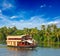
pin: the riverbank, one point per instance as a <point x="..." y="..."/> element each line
<point x="50" y="44"/>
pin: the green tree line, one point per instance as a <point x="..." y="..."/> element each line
<point x="49" y="33"/>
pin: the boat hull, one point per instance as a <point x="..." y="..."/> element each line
<point x="24" y="46"/>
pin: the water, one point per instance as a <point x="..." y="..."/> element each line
<point x="39" y="51"/>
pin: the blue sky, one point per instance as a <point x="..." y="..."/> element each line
<point x="29" y="13"/>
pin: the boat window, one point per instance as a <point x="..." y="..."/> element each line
<point x="25" y="43"/>
<point x="28" y="43"/>
<point x="22" y="42"/>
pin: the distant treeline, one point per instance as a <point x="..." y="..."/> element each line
<point x="49" y="33"/>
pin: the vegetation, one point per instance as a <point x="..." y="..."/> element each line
<point x="47" y="34"/>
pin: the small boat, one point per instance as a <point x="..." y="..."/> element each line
<point x="23" y="41"/>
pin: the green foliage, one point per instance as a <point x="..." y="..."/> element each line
<point x="49" y="33"/>
<point x="1" y="36"/>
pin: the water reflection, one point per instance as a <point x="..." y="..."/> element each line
<point x="39" y="51"/>
<point x="21" y="51"/>
<point x="47" y="50"/>
<point x="49" y="45"/>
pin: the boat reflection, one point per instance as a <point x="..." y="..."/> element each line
<point x="20" y="49"/>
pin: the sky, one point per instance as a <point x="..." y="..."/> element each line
<point x="29" y="13"/>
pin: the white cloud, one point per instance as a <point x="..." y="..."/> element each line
<point x="6" y="5"/>
<point x="12" y="17"/>
<point x="54" y="22"/>
<point x="0" y="11"/>
<point x="35" y="21"/>
<point x="57" y="18"/>
<point x="51" y="22"/>
<point x="57" y="22"/>
<point x="21" y="20"/>
<point x="42" y="6"/>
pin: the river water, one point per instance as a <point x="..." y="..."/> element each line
<point x="39" y="51"/>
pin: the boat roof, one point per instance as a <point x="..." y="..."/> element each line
<point x="17" y="36"/>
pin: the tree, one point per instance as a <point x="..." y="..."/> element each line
<point x="43" y="27"/>
<point x="26" y="31"/>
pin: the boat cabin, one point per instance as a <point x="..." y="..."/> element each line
<point x="21" y="41"/>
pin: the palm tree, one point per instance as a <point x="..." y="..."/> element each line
<point x="43" y="30"/>
<point x="57" y="33"/>
<point x="48" y="33"/>
<point x="34" y="31"/>
<point x="43" y="27"/>
<point x="54" y="27"/>
<point x="25" y="30"/>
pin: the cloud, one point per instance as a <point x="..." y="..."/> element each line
<point x="0" y="11"/>
<point x="57" y="22"/>
<point x="5" y="4"/>
<point x="54" y="22"/>
<point x="42" y="6"/>
<point x="33" y="21"/>
<point x="12" y="17"/>
<point x="57" y="18"/>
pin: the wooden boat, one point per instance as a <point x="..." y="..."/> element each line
<point x="23" y="41"/>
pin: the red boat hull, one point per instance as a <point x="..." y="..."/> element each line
<point x="24" y="46"/>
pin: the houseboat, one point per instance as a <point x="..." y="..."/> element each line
<point x="25" y="41"/>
